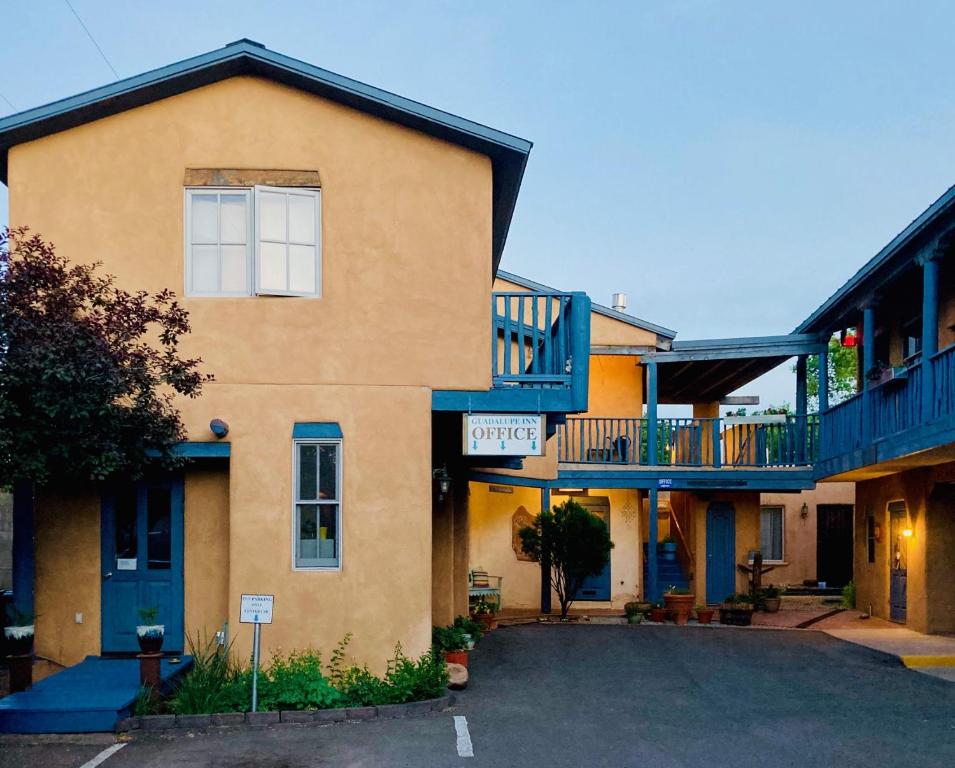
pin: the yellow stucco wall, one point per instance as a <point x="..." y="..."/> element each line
<point x="931" y="567"/>
<point x="406" y="231"/>
<point x="490" y="544"/>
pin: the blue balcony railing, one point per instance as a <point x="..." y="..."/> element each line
<point x="892" y="408"/>
<point x="690" y="442"/>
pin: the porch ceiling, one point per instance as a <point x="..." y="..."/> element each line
<point x="708" y="370"/>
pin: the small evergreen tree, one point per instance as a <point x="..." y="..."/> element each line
<point x="576" y="543"/>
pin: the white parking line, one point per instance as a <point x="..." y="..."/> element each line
<point x="465" y="748"/>
<point x="103" y="756"/>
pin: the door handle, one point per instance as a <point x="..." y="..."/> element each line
<point x="107" y="575"/>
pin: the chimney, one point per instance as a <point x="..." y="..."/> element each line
<point x="619" y="302"/>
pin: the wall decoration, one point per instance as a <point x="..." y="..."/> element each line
<point x="520" y="519"/>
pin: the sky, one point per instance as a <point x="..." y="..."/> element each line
<point x="728" y="165"/>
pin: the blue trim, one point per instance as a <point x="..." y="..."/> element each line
<point x="317" y="430"/>
<point x="197" y="450"/>
<point x="636" y="322"/>
<point x="504" y="400"/>
<point x="650" y="587"/>
<point x="508" y="153"/>
<point x="645" y="479"/>
<point x="880" y="265"/>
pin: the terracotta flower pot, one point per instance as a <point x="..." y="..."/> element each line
<point x="771" y="604"/>
<point x="657" y="614"/>
<point x="456" y="657"/>
<point x="680" y="606"/>
<point x="488" y="621"/>
<point x="705" y="615"/>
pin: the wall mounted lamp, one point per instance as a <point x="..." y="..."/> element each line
<point x="443" y="479"/>
<point x="804" y="511"/>
<point x="219" y="428"/>
<point x="907" y="532"/>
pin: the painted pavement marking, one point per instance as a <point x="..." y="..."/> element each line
<point x="465" y="748"/>
<point x="103" y="756"/>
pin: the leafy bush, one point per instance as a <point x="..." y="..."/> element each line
<point x="296" y="682"/>
<point x="469" y="626"/>
<point x="450" y="638"/>
<point x="849" y="595"/>
<point x="410" y="680"/>
<point x="213" y="684"/>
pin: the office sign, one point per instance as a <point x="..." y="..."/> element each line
<point x="256" y="609"/>
<point x="664" y="482"/>
<point x="504" y="434"/>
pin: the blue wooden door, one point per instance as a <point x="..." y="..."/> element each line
<point x="141" y="561"/>
<point x="720" y="551"/>
<point x="596" y="587"/>
<point x="898" y="566"/>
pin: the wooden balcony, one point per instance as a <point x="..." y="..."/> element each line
<point x="903" y="415"/>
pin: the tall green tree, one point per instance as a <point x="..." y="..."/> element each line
<point x="88" y="371"/>
<point x="842" y="374"/>
<point x="576" y="543"/>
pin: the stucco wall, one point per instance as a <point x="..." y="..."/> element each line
<point x="931" y="563"/>
<point x="406" y="232"/>
<point x="799" y="533"/>
<point x="491" y="550"/>
<point x="746" y="505"/>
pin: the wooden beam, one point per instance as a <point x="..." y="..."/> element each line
<point x="740" y="400"/>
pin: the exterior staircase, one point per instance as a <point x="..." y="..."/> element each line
<point x="669" y="573"/>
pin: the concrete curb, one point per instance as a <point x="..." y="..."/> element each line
<point x="249" y="720"/>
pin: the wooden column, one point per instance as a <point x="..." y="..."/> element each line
<point x="651" y="413"/>
<point x="650" y="588"/>
<point x="930" y="268"/>
<point x="823" y="387"/>
<point x="868" y="363"/>
<point x="24" y="557"/>
<point x="545" y="560"/>
<point x="801" y="409"/>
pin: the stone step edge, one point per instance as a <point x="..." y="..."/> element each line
<point x="913" y="661"/>
<point x="152" y="723"/>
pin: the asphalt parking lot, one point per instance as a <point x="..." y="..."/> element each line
<point x="611" y="696"/>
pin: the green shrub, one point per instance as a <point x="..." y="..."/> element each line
<point x="210" y="685"/>
<point x="410" y="680"/>
<point x="450" y="638"/>
<point x="469" y="626"/>
<point x="849" y="595"/>
<point x="296" y="682"/>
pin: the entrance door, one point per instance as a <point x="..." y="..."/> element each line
<point x="141" y="543"/>
<point x="898" y="568"/>
<point x="720" y="551"/>
<point x="834" y="544"/>
<point x="596" y="587"/>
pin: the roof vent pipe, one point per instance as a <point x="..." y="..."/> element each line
<point x="619" y="302"/>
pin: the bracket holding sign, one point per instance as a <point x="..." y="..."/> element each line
<point x="504" y="434"/>
<point x="256" y="610"/>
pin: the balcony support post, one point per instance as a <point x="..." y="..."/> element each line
<point x="823" y="388"/>
<point x="650" y="588"/>
<point x="930" y="269"/>
<point x="545" y="560"/>
<point x="652" y="447"/>
<point x="868" y="363"/>
<point x="801" y="409"/>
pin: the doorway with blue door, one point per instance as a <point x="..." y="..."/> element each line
<point x="720" y="551"/>
<point x="142" y="561"/>
<point x="596" y="587"/>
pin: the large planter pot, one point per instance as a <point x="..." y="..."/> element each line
<point x="736" y="614"/>
<point x="488" y="621"/>
<point x="150" y="637"/>
<point x="456" y="657"/>
<point x="668" y="550"/>
<point x="19" y="639"/>
<point x="771" y="604"/>
<point x="705" y="615"/>
<point x="679" y="606"/>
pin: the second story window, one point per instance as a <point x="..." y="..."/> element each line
<point x="256" y="241"/>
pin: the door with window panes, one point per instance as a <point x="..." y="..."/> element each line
<point x="141" y="562"/>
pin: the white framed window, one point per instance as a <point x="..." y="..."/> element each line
<point x="246" y="241"/>
<point x="771" y="521"/>
<point x="316" y="527"/>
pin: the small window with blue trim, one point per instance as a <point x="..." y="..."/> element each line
<point x="317" y="513"/>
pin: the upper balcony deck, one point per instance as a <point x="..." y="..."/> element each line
<point x="540" y="356"/>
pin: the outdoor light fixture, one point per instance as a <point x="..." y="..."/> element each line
<point x="804" y="511"/>
<point x="219" y="428"/>
<point x="907" y="532"/>
<point x="443" y="479"/>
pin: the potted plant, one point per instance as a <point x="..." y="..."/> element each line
<point x="452" y="642"/>
<point x="634" y="612"/>
<point x="704" y="614"/>
<point x="657" y="613"/>
<point x="679" y="602"/>
<point x="737" y="610"/>
<point x="771" y="598"/>
<point x="19" y="633"/>
<point x="668" y="548"/>
<point x="470" y="628"/>
<point x="483" y="612"/>
<point x="149" y="633"/>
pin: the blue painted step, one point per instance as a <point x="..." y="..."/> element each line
<point x="88" y="698"/>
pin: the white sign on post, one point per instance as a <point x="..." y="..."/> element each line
<point x="256" y="609"/>
<point x="504" y="434"/>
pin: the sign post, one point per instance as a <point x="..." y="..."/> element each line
<point x="256" y="610"/>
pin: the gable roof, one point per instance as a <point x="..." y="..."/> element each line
<point x="881" y="268"/>
<point x="636" y="322"/>
<point x="508" y="153"/>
